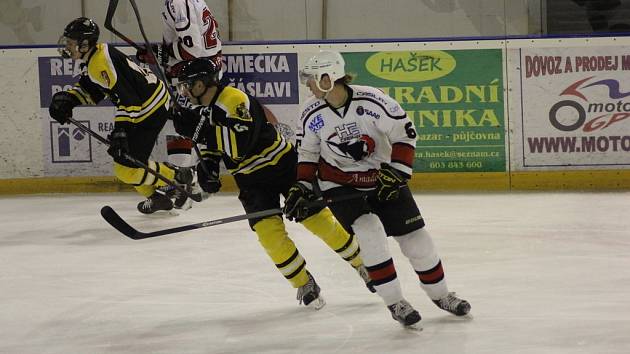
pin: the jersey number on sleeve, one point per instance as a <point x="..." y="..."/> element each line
<point x="148" y="75"/>
<point x="411" y="132"/>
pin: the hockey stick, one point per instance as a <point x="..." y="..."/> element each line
<point x="133" y="159"/>
<point x="111" y="9"/>
<point x="121" y="225"/>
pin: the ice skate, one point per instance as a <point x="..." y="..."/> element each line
<point x="453" y="304"/>
<point x="366" y="277"/>
<point x="156" y="202"/>
<point x="309" y="294"/>
<point x="184" y="176"/>
<point x="182" y="201"/>
<point x="404" y="313"/>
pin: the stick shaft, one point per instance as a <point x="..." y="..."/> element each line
<point x="123" y="227"/>
<point x="130" y="158"/>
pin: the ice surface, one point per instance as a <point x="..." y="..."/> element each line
<point x="544" y="272"/>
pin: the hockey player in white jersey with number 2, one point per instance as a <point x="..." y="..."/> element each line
<point x="356" y="138"/>
<point x="190" y="31"/>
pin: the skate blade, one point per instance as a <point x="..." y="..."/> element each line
<point x="187" y="205"/>
<point x="161" y="214"/>
<point x="416" y="327"/>
<point x="317" y="304"/>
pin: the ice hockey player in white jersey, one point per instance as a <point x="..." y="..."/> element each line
<point x="355" y="138"/>
<point x="190" y="31"/>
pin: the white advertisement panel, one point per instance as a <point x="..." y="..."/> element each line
<point x="574" y="107"/>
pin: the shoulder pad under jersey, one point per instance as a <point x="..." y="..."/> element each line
<point x="235" y="103"/>
<point x="100" y="68"/>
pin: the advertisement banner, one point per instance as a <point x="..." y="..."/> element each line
<point x="271" y="78"/>
<point x="455" y="99"/>
<point x="575" y="106"/>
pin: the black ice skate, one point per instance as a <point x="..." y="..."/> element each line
<point x="404" y="313"/>
<point x="181" y="200"/>
<point x="156" y="202"/>
<point x="184" y="176"/>
<point x="453" y="304"/>
<point x="366" y="277"/>
<point x="309" y="294"/>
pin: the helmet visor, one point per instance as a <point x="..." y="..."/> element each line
<point x="305" y="76"/>
<point x="184" y="87"/>
<point x="63" y="46"/>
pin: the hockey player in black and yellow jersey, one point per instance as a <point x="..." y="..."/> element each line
<point x="141" y="102"/>
<point x="263" y="164"/>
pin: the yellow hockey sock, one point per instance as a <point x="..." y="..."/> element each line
<point x="273" y="236"/>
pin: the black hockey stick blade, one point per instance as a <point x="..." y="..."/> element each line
<point x="121" y="225"/>
<point x="118" y="223"/>
<point x="111" y="10"/>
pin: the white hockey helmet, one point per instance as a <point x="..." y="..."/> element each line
<point x="326" y="62"/>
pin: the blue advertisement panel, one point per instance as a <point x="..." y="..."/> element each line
<point x="272" y="78"/>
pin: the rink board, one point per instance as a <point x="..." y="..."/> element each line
<point x="490" y="114"/>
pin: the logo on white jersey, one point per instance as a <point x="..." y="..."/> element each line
<point x="395" y="108"/>
<point x="316" y="124"/>
<point x="348" y="142"/>
<point x="361" y="111"/>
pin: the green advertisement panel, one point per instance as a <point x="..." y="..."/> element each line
<point x="455" y="99"/>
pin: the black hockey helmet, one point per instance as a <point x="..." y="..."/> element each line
<point x="200" y="69"/>
<point x="84" y="30"/>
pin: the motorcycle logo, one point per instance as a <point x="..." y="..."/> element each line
<point x="607" y="113"/>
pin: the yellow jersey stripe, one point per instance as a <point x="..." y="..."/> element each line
<point x="264" y="152"/>
<point x="78" y="94"/>
<point x="137" y="119"/>
<point x="234" y="146"/>
<point x="264" y="161"/>
<point x="132" y="109"/>
<point x="218" y="131"/>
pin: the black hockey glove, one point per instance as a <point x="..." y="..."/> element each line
<point x="118" y="144"/>
<point x="209" y="183"/>
<point x="296" y="204"/>
<point x="388" y="182"/>
<point x="159" y="56"/>
<point x="186" y="120"/>
<point x="61" y="106"/>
